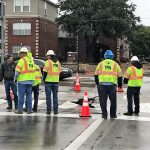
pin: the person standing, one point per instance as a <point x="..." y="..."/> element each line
<point x="7" y="73"/>
<point x="35" y="87"/>
<point x="134" y="79"/>
<point x="25" y="76"/>
<point x="106" y="74"/>
<point x="51" y="74"/>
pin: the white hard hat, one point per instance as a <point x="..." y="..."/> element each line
<point x="50" y="52"/>
<point x="24" y="49"/>
<point x="134" y="58"/>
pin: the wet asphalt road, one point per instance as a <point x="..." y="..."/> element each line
<point x="38" y="133"/>
<point x="120" y="135"/>
<point x="67" y="131"/>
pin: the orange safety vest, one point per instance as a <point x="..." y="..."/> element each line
<point x="135" y="76"/>
<point x="53" y="70"/>
<point x="26" y="69"/>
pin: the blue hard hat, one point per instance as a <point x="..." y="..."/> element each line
<point x="108" y="54"/>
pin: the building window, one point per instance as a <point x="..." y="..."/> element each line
<point x="22" y="29"/>
<point x="16" y="49"/>
<point x="45" y="9"/>
<point x="22" y="5"/>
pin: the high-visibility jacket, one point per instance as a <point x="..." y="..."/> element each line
<point x="135" y="76"/>
<point x="38" y="75"/>
<point x="53" y="70"/>
<point x="108" y="71"/>
<point x="26" y="69"/>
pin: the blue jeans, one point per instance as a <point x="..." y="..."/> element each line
<point x="25" y="89"/>
<point x="35" y="90"/>
<point x="51" y="88"/>
<point x="105" y="91"/>
<point x="9" y="84"/>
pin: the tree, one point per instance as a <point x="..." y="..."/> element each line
<point x="92" y="18"/>
<point x="140" y="43"/>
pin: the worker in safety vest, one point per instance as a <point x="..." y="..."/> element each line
<point x="107" y="74"/>
<point x="35" y="87"/>
<point x="134" y="78"/>
<point x="25" y="76"/>
<point x="51" y="73"/>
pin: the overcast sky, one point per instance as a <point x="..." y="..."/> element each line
<point x="143" y="10"/>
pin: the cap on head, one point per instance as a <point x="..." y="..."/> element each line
<point x="108" y="54"/>
<point x="23" y="50"/>
<point x="134" y="58"/>
<point x="50" y="52"/>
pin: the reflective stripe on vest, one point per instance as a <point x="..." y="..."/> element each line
<point x="50" y="70"/>
<point x="18" y="67"/>
<point x="26" y="69"/>
<point x="37" y="77"/>
<point x="134" y="76"/>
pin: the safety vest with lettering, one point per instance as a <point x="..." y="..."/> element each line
<point x="108" y="71"/>
<point x="38" y="76"/>
<point x="26" y="69"/>
<point x="53" y="70"/>
<point x="135" y="76"/>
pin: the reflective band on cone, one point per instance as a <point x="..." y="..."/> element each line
<point x="85" y="111"/>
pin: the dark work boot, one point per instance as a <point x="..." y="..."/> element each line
<point x="128" y="114"/>
<point x="34" y="109"/>
<point x="104" y="117"/>
<point x="48" y="112"/>
<point x="18" y="112"/>
<point x="9" y="107"/>
<point x="113" y="117"/>
<point x="136" y="113"/>
<point x="55" y="112"/>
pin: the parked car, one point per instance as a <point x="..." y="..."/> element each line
<point x="65" y="73"/>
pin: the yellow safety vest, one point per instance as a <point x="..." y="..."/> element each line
<point x="135" y="76"/>
<point x="26" y="69"/>
<point x="38" y="75"/>
<point x="108" y="71"/>
<point x="53" y="70"/>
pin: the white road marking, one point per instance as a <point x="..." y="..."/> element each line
<point x="145" y="107"/>
<point x="2" y="101"/>
<point x="84" y="135"/>
<point x="40" y="114"/>
<point x="68" y="105"/>
<point x="40" y="102"/>
<point x="135" y="118"/>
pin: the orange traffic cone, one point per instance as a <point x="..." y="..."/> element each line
<point x="120" y="89"/>
<point x="85" y="112"/>
<point x="77" y="84"/>
<point x="11" y="95"/>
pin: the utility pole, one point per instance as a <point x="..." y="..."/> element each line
<point x="2" y="18"/>
<point x="77" y="44"/>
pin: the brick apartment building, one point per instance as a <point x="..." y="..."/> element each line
<point x="30" y="23"/>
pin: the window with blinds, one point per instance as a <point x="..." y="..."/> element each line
<point x="21" y="5"/>
<point x="21" y="28"/>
